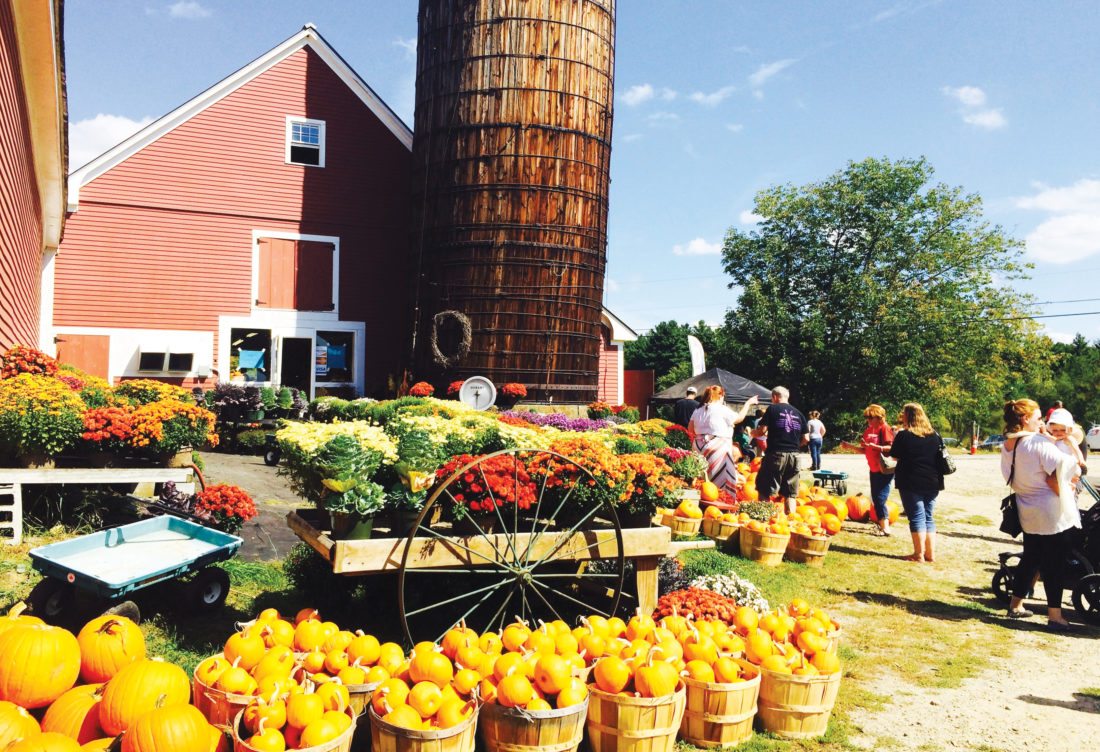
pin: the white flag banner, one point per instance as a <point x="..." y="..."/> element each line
<point x="698" y="357"/>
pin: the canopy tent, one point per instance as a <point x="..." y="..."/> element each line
<point x="738" y="388"/>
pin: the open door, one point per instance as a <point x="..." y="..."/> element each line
<point x="296" y="363"/>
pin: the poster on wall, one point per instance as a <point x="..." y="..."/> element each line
<point x="320" y="360"/>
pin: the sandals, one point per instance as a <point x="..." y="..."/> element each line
<point x="1020" y="613"/>
<point x="1061" y="626"/>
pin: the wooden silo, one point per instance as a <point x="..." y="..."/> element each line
<point x="512" y="153"/>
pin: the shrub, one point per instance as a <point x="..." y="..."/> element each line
<point x="229" y="506"/>
<point x="285" y="399"/>
<point x="233" y="401"/>
<point x="147" y="391"/>
<point x="326" y="409"/>
<point x="267" y="399"/>
<point x="253" y="440"/>
<point x="628" y="445"/>
<point x="358" y="409"/>
<point x="22" y="359"/>
<point x="38" y="414"/>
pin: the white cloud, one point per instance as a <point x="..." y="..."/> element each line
<point x="883" y="15"/>
<point x="697" y="247"/>
<point x="91" y="137"/>
<point x="1082" y="196"/>
<point x="657" y="119"/>
<point x="610" y="285"/>
<point x="667" y="94"/>
<point x="768" y="70"/>
<point x="188" y="9"/>
<point x="972" y="107"/>
<point x="713" y="98"/>
<point x="1073" y="232"/>
<point x="747" y="217"/>
<point x="638" y="94"/>
<point x="408" y="45"/>
<point x="735" y="127"/>
<point x="743" y="49"/>
<point x="968" y="96"/>
<point x="1063" y="240"/>
<point x="1063" y="337"/>
<point x="991" y="120"/>
<point x="630" y="137"/>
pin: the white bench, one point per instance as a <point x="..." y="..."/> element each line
<point x="12" y="480"/>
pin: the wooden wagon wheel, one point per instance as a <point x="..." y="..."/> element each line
<point x="537" y="565"/>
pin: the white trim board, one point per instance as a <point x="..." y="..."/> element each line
<point x="307" y="37"/>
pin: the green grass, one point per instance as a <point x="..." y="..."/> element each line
<point x="975" y="519"/>
<point x="1093" y="692"/>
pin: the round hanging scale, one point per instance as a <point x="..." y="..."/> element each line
<point x="478" y="392"/>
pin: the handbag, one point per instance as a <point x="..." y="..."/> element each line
<point x="1010" y="511"/>
<point x="886" y="462"/>
<point x="944" y="462"/>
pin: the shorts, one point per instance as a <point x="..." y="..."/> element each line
<point x="779" y="473"/>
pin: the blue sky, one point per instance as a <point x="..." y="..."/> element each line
<point x="715" y="100"/>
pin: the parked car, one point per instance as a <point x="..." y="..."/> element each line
<point x="1092" y="438"/>
<point x="950" y="441"/>
<point x="993" y="442"/>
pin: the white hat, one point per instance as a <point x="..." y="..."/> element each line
<point x="1062" y="417"/>
<point x="691" y="390"/>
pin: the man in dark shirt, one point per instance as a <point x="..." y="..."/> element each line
<point x="683" y="409"/>
<point x="786" y="431"/>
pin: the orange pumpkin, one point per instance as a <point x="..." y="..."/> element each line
<point x="831" y="523"/>
<point x="40" y="663"/>
<point x="108" y="643"/>
<point x="892" y="512"/>
<point x="431" y="666"/>
<point x="76" y="714"/>
<point x="51" y="742"/>
<point x="708" y="491"/>
<point x="18" y="620"/>
<point x="98" y="745"/>
<point x="180" y="728"/>
<point x="15" y="723"/>
<point x="139" y="688"/>
<point x="859" y="506"/>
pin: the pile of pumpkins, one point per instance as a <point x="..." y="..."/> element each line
<point x="299" y="672"/>
<point x="43" y="708"/>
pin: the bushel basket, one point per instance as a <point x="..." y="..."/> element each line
<point x="796" y="707"/>
<point x="766" y="548"/>
<point x="517" y="730"/>
<point x="717" y="714"/>
<point x="385" y="737"/>
<point x="633" y="724"/>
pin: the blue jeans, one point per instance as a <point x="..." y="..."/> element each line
<point x="815" y="453"/>
<point x="918" y="508"/>
<point x="880" y="492"/>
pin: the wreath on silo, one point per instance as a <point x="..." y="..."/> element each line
<point x="466" y="339"/>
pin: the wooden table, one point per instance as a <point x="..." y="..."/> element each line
<point x="646" y="546"/>
<point x="12" y="480"/>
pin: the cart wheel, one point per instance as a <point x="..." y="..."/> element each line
<point x="209" y="588"/>
<point x="557" y="561"/>
<point x="841" y="488"/>
<point x="1002" y="584"/>
<point x="271" y="457"/>
<point x="129" y="609"/>
<point x="1086" y="598"/>
<point x="51" y="600"/>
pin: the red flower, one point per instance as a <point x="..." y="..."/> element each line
<point x="422" y="389"/>
<point x="454" y="387"/>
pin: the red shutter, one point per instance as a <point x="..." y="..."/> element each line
<point x="313" y="282"/>
<point x="276" y="273"/>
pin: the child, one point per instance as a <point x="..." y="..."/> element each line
<point x="1060" y="430"/>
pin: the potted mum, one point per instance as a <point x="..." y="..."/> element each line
<point x="509" y="394"/>
<point x="40" y="417"/>
<point x="228" y="507"/>
<point x="496" y="489"/>
<point x="653" y="485"/>
<point x="108" y="433"/>
<point x="422" y="389"/>
<point x="169" y="430"/>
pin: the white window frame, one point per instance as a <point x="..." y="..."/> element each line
<point x="334" y="314"/>
<point x="291" y="120"/>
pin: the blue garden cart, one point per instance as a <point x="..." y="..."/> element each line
<point x="832" y="480"/>
<point x="111" y="564"/>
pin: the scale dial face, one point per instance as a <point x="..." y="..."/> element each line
<point x="478" y="392"/>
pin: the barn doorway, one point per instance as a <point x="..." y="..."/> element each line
<point x="296" y="366"/>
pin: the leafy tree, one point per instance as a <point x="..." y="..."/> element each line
<point x="876" y="285"/>
<point x="661" y="348"/>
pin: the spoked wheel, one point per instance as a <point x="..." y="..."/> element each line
<point x="1086" y="598"/>
<point x="553" y="560"/>
<point x="1002" y="584"/>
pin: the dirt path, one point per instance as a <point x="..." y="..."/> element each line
<point x="1032" y="701"/>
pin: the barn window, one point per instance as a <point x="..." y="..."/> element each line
<point x="334" y="357"/>
<point x="305" y="142"/>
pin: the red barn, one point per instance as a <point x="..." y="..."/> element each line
<point x="258" y="232"/>
<point x="32" y="162"/>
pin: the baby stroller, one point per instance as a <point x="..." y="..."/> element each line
<point x="1082" y="564"/>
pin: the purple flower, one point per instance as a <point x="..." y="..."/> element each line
<point x="558" y="421"/>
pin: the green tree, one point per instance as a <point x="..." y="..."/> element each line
<point x="661" y="348"/>
<point x="877" y="285"/>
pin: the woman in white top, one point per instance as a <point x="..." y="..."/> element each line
<point x="816" y="429"/>
<point x="1036" y="470"/>
<point x="711" y="429"/>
